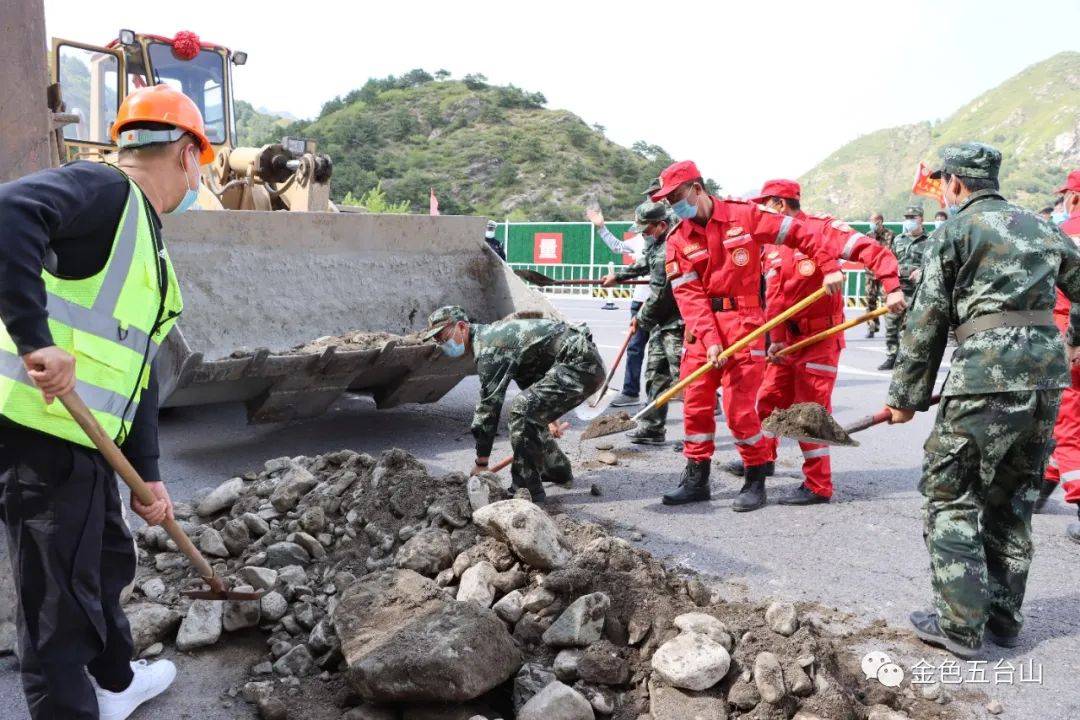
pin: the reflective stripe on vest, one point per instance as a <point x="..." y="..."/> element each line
<point x="112" y="322"/>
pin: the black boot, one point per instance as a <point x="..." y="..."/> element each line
<point x="735" y="467"/>
<point x="803" y="496"/>
<point x="693" y="486"/>
<point x="1046" y="489"/>
<point x="889" y="364"/>
<point x="752" y="495"/>
<point x="646" y="437"/>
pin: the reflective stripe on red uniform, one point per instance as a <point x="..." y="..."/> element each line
<point x="722" y="259"/>
<point x="1064" y="463"/>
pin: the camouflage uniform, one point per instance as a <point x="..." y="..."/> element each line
<point x="557" y="366"/>
<point x="884" y="236"/>
<point x="985" y="456"/>
<point x="909" y="253"/>
<point x="658" y="315"/>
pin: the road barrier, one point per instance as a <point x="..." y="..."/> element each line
<point x="575" y="251"/>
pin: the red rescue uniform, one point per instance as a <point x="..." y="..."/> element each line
<point x="810" y="374"/>
<point x="715" y="271"/>
<point x="1064" y="464"/>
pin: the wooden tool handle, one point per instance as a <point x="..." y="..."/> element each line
<point x="501" y="464"/>
<point x="877" y="418"/>
<point x="806" y="342"/>
<point x="729" y="351"/>
<point x="614" y="366"/>
<point x="130" y="476"/>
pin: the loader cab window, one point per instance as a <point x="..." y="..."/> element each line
<point x="202" y="79"/>
<point x="90" y="82"/>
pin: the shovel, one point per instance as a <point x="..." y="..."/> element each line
<point x="584" y="415"/>
<point x="543" y="280"/>
<point x="605" y="425"/>
<point x="215" y="587"/>
<point x="810" y="422"/>
<point x="806" y="342"/>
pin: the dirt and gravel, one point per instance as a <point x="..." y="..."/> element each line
<point x="609" y="425"/>
<point x="394" y="593"/>
<point x="808" y="420"/>
<point x="356" y="340"/>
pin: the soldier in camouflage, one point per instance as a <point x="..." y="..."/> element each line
<point x="991" y="271"/>
<point x="909" y="248"/>
<point x="556" y="365"/>
<point x="884" y="236"/>
<point x="658" y="315"/>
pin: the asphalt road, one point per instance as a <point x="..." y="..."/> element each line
<point x="862" y="553"/>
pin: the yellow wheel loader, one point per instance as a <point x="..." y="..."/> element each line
<point x="290" y="301"/>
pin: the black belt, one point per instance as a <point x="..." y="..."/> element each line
<point x="726" y="304"/>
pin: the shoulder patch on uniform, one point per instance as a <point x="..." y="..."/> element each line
<point x="740" y="257"/>
<point x="807" y="267"/>
<point x="672" y="269"/>
<point x="735" y="231"/>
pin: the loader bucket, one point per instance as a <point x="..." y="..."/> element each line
<point x="259" y="285"/>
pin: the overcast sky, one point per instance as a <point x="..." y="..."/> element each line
<point x="749" y="90"/>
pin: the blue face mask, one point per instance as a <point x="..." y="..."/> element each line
<point x="189" y="199"/>
<point x="452" y="348"/>
<point x="684" y="209"/>
<point x="1059" y="217"/>
<point x="909" y="226"/>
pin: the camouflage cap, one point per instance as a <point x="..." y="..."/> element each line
<point x="653" y="187"/>
<point x="971" y="159"/>
<point x="441" y="318"/>
<point x="913" y="211"/>
<point x="649" y="212"/>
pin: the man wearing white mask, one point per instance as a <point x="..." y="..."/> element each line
<point x="909" y="248"/>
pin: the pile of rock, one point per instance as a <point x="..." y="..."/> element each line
<point x="440" y="598"/>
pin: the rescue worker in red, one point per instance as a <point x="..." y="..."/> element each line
<point x="1064" y="465"/>
<point x="714" y="262"/>
<point x="810" y="374"/>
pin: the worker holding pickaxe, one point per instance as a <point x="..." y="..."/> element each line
<point x="88" y="296"/>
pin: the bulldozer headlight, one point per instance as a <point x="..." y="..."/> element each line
<point x="239" y="58"/>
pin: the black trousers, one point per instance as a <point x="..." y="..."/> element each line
<point x="72" y="555"/>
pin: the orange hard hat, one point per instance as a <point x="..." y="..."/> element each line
<point x="164" y="104"/>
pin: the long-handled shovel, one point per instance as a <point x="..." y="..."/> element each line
<point x="818" y="337"/>
<point x="810" y="422"/>
<point x="611" y="373"/>
<point x="543" y="280"/>
<point x="608" y="425"/>
<point x="215" y="587"/>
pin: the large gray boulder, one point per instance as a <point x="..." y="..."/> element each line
<point x="404" y="641"/>
<point x="202" y="626"/>
<point x="557" y="702"/>
<point x="223" y="497"/>
<point x="529" y="531"/>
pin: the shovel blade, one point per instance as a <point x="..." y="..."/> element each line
<point x="609" y="425"/>
<point x="595" y="406"/>
<point x="809" y="422"/>
<point x="534" y="277"/>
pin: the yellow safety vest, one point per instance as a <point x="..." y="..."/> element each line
<point x="112" y="322"/>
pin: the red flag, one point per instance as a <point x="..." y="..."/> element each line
<point x="433" y="204"/>
<point x="926" y="187"/>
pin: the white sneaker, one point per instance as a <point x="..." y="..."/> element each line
<point x="150" y="681"/>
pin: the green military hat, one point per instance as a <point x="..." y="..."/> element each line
<point x="441" y="318"/>
<point x="913" y="211"/>
<point x="654" y="186"/>
<point x="970" y="159"/>
<point x="650" y="212"/>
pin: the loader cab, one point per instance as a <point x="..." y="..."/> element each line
<point x="94" y="80"/>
